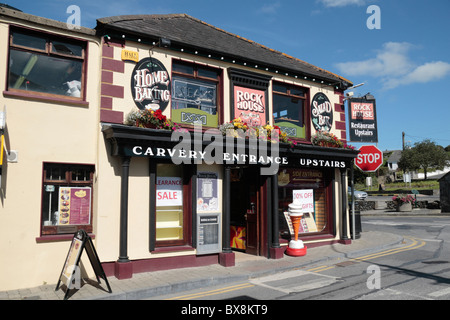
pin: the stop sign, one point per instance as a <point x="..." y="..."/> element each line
<point x="369" y="159"/>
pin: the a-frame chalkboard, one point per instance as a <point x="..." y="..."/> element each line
<point x="70" y="272"/>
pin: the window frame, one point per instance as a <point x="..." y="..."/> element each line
<point x="306" y="106"/>
<point x="218" y="82"/>
<point x="55" y="230"/>
<point x="326" y="186"/>
<point x="50" y="38"/>
<point x="170" y="245"/>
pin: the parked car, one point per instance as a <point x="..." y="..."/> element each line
<point x="359" y="195"/>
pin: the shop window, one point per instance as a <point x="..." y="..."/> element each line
<point x="171" y="214"/>
<point x="66" y="198"/>
<point x="318" y="221"/>
<point x="289" y="109"/>
<point x="45" y="65"/>
<point x="195" y="94"/>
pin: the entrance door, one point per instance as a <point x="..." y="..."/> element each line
<point x="252" y="230"/>
<point x="245" y="208"/>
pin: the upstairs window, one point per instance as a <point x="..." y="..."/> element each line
<point x="45" y="65"/>
<point x="289" y="111"/>
<point x="195" y="94"/>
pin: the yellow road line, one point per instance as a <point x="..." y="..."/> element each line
<point x="213" y="292"/>
<point x="414" y="245"/>
<point x="321" y="268"/>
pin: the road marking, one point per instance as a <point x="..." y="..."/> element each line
<point x="213" y="292"/>
<point x="321" y="268"/>
<point x="440" y="293"/>
<point x="416" y="243"/>
<point x="297" y="281"/>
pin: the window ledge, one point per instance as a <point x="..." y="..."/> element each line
<point x="58" y="237"/>
<point x="172" y="249"/>
<point x="33" y="96"/>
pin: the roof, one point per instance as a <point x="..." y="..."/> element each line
<point x="182" y="29"/>
<point x="16" y="14"/>
<point x="395" y="156"/>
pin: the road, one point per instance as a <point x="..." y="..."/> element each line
<point x="418" y="269"/>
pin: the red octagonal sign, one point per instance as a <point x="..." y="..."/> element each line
<point x="369" y="159"/>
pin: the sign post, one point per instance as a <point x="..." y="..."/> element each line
<point x="369" y="159"/>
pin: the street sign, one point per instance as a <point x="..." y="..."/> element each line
<point x="369" y="159"/>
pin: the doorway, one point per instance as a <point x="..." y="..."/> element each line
<point x="246" y="221"/>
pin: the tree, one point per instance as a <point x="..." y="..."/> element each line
<point x="425" y="155"/>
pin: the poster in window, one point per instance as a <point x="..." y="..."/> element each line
<point x="74" y="205"/>
<point x="169" y="191"/>
<point x="207" y="193"/>
<point x="250" y="106"/>
<point x="305" y="199"/>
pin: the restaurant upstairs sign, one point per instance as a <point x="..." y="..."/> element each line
<point x="363" y="120"/>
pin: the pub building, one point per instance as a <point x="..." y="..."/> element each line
<point x="158" y="135"/>
<point x="196" y="196"/>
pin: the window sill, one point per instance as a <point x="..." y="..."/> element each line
<point x="58" y="237"/>
<point x="34" y="96"/>
<point x="172" y="249"/>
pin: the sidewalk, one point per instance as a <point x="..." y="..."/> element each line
<point x="158" y="283"/>
<point x="414" y="212"/>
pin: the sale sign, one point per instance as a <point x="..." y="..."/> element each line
<point x="169" y="191"/>
<point x="304" y="198"/>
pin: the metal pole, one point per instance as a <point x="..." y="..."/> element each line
<point x="123" y="241"/>
<point x="226" y="211"/>
<point x="353" y="200"/>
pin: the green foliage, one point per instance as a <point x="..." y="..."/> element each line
<point x="424" y="155"/>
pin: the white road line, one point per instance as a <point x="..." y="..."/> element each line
<point x="440" y="293"/>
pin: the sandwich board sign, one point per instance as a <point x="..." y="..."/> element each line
<point x="70" y="274"/>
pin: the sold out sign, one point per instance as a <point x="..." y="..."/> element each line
<point x="369" y="159"/>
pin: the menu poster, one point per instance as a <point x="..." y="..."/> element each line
<point x="69" y="275"/>
<point x="207" y="192"/>
<point x="71" y="261"/>
<point x="307" y="223"/>
<point x="74" y="205"/>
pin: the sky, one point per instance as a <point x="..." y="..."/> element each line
<point x="399" y="49"/>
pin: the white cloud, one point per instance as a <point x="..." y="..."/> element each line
<point x="270" y="8"/>
<point x="431" y="71"/>
<point x="393" y="67"/>
<point x="342" y="3"/>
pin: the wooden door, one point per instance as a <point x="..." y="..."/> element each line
<point x="252" y="230"/>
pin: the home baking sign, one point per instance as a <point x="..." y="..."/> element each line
<point x="150" y="85"/>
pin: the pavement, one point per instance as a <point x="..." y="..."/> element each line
<point x="158" y="283"/>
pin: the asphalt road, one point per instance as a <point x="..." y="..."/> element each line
<point x="417" y="269"/>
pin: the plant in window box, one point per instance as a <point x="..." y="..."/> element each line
<point x="239" y="129"/>
<point x="150" y="119"/>
<point x="235" y="128"/>
<point x="327" y="139"/>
